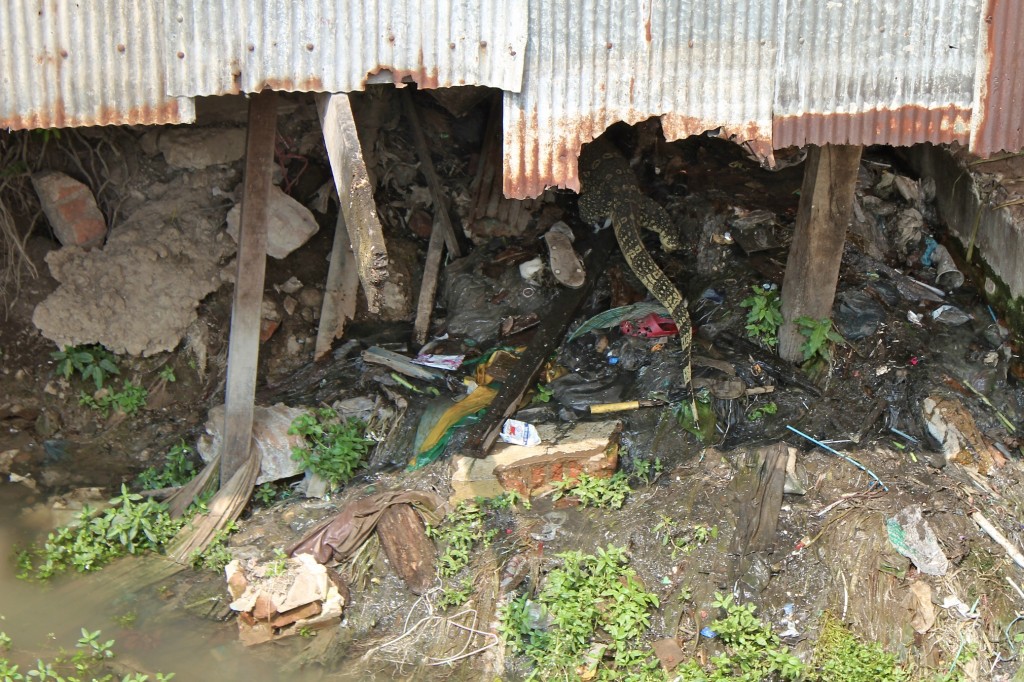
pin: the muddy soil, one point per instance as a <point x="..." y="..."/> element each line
<point x="830" y="551"/>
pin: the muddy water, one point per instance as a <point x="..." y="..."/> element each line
<point x="162" y="638"/>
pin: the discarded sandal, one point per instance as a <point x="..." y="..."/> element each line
<point x="566" y="265"/>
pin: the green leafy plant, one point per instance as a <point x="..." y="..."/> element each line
<point x="762" y="411"/>
<point x="646" y="471"/>
<point x="85" y="662"/>
<point x="839" y="656"/>
<point x="586" y="621"/>
<point x="91" y="362"/>
<point x="455" y="595"/>
<point x="177" y="470"/>
<point x="216" y="555"/>
<point x="819" y="338"/>
<point x="752" y="651"/>
<point x="508" y="500"/>
<point x="460" y="531"/>
<point x="595" y="492"/>
<point x="130" y="525"/>
<point x="167" y="374"/>
<point x="543" y="395"/>
<point x="334" y="448"/>
<point x="764" y="317"/>
<point x="265" y="495"/>
<point x="680" y="540"/>
<point x="129" y="400"/>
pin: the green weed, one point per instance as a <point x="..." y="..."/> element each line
<point x="167" y="374"/>
<point x="680" y="540"/>
<point x="131" y="525"/>
<point x="455" y="595"/>
<point x="839" y="656"/>
<point x="764" y="317"/>
<point x="752" y="651"/>
<point x="334" y="448"/>
<point x="762" y="411"/>
<point x="586" y="621"/>
<point x="177" y="470"/>
<point x="85" y="662"/>
<point x="460" y="532"/>
<point x="543" y="395"/>
<point x="129" y="400"/>
<point x="595" y="492"/>
<point x="820" y="339"/>
<point x="216" y="555"/>
<point x="94" y="363"/>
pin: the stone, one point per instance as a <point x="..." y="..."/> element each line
<point x="591" y="446"/>
<point x="194" y="148"/>
<point x="70" y="208"/>
<point x="289" y="223"/>
<point x="270" y="436"/>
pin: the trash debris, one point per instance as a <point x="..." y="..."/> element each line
<point x="951" y="315"/>
<point x="566" y="265"/>
<point x="516" y="432"/>
<point x="448" y="362"/>
<point x="914" y="538"/>
<point x="399" y="363"/>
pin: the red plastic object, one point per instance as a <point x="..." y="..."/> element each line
<point x="651" y="327"/>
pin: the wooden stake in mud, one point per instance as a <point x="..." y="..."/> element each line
<point x="243" y="344"/>
<point x="812" y="270"/>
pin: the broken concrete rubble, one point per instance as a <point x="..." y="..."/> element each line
<point x="193" y="148"/>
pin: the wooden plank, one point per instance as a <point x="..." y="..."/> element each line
<point x="427" y="166"/>
<point x="410" y="552"/>
<point x="812" y="269"/>
<point x="355" y="194"/>
<point x="428" y="287"/>
<point x="759" y="490"/>
<point x="243" y="343"/>
<point x="547" y="337"/>
<point x="340" y="295"/>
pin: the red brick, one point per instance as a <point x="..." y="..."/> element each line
<point x="70" y="209"/>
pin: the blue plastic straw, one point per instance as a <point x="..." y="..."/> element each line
<point x="852" y="461"/>
<point x="905" y="435"/>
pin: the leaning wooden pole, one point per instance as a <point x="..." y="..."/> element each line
<point x="812" y="270"/>
<point x="243" y="344"/>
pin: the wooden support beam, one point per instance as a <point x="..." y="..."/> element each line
<point x="428" y="288"/>
<point x="812" y="269"/>
<point x="355" y="194"/>
<point x="244" y="340"/>
<point x="340" y="294"/>
<point x="427" y="166"/>
<point x="546" y="339"/>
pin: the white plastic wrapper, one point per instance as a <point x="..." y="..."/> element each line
<point x="519" y="433"/>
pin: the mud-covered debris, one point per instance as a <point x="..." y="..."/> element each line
<point x="410" y="552"/>
<point x="195" y="148"/>
<point x="953" y="430"/>
<point x="914" y="538"/>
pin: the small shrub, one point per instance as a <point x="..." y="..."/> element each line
<point x="819" y="337"/>
<point x="129" y="400"/>
<point x="334" y="448"/>
<point x="840" y="657"/>
<point x="763" y="411"/>
<point x="460" y="532"/>
<point x="764" y="317"/>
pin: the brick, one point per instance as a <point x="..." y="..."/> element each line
<point x="70" y="208"/>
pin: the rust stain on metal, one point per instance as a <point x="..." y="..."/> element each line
<point x="899" y="126"/>
<point x="999" y="125"/>
<point x="310" y="84"/>
<point x="56" y="117"/>
<point x="423" y="77"/>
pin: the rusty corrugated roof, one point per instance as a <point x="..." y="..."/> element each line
<point x="228" y="46"/>
<point x="85" y="63"/>
<point x="766" y="73"/>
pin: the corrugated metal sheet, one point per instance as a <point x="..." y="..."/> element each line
<point x="590" y="63"/>
<point x="1000" y="92"/>
<point x="224" y="46"/>
<point x="769" y="73"/>
<point x="876" y="72"/>
<point x="85" y="63"/>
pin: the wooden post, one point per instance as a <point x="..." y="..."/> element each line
<point x="428" y="287"/>
<point x="812" y="270"/>
<point x="355" y="193"/>
<point x="340" y="295"/>
<point x="244" y="340"/>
